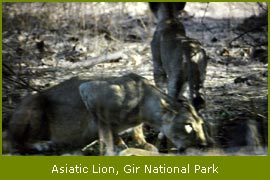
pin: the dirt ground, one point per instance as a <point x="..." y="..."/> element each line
<point x="47" y="43"/>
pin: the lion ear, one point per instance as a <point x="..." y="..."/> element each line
<point x="164" y="104"/>
<point x="168" y="113"/>
<point x="167" y="107"/>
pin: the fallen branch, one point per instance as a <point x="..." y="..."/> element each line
<point x="243" y="34"/>
<point x="96" y="60"/>
<point x="90" y="62"/>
